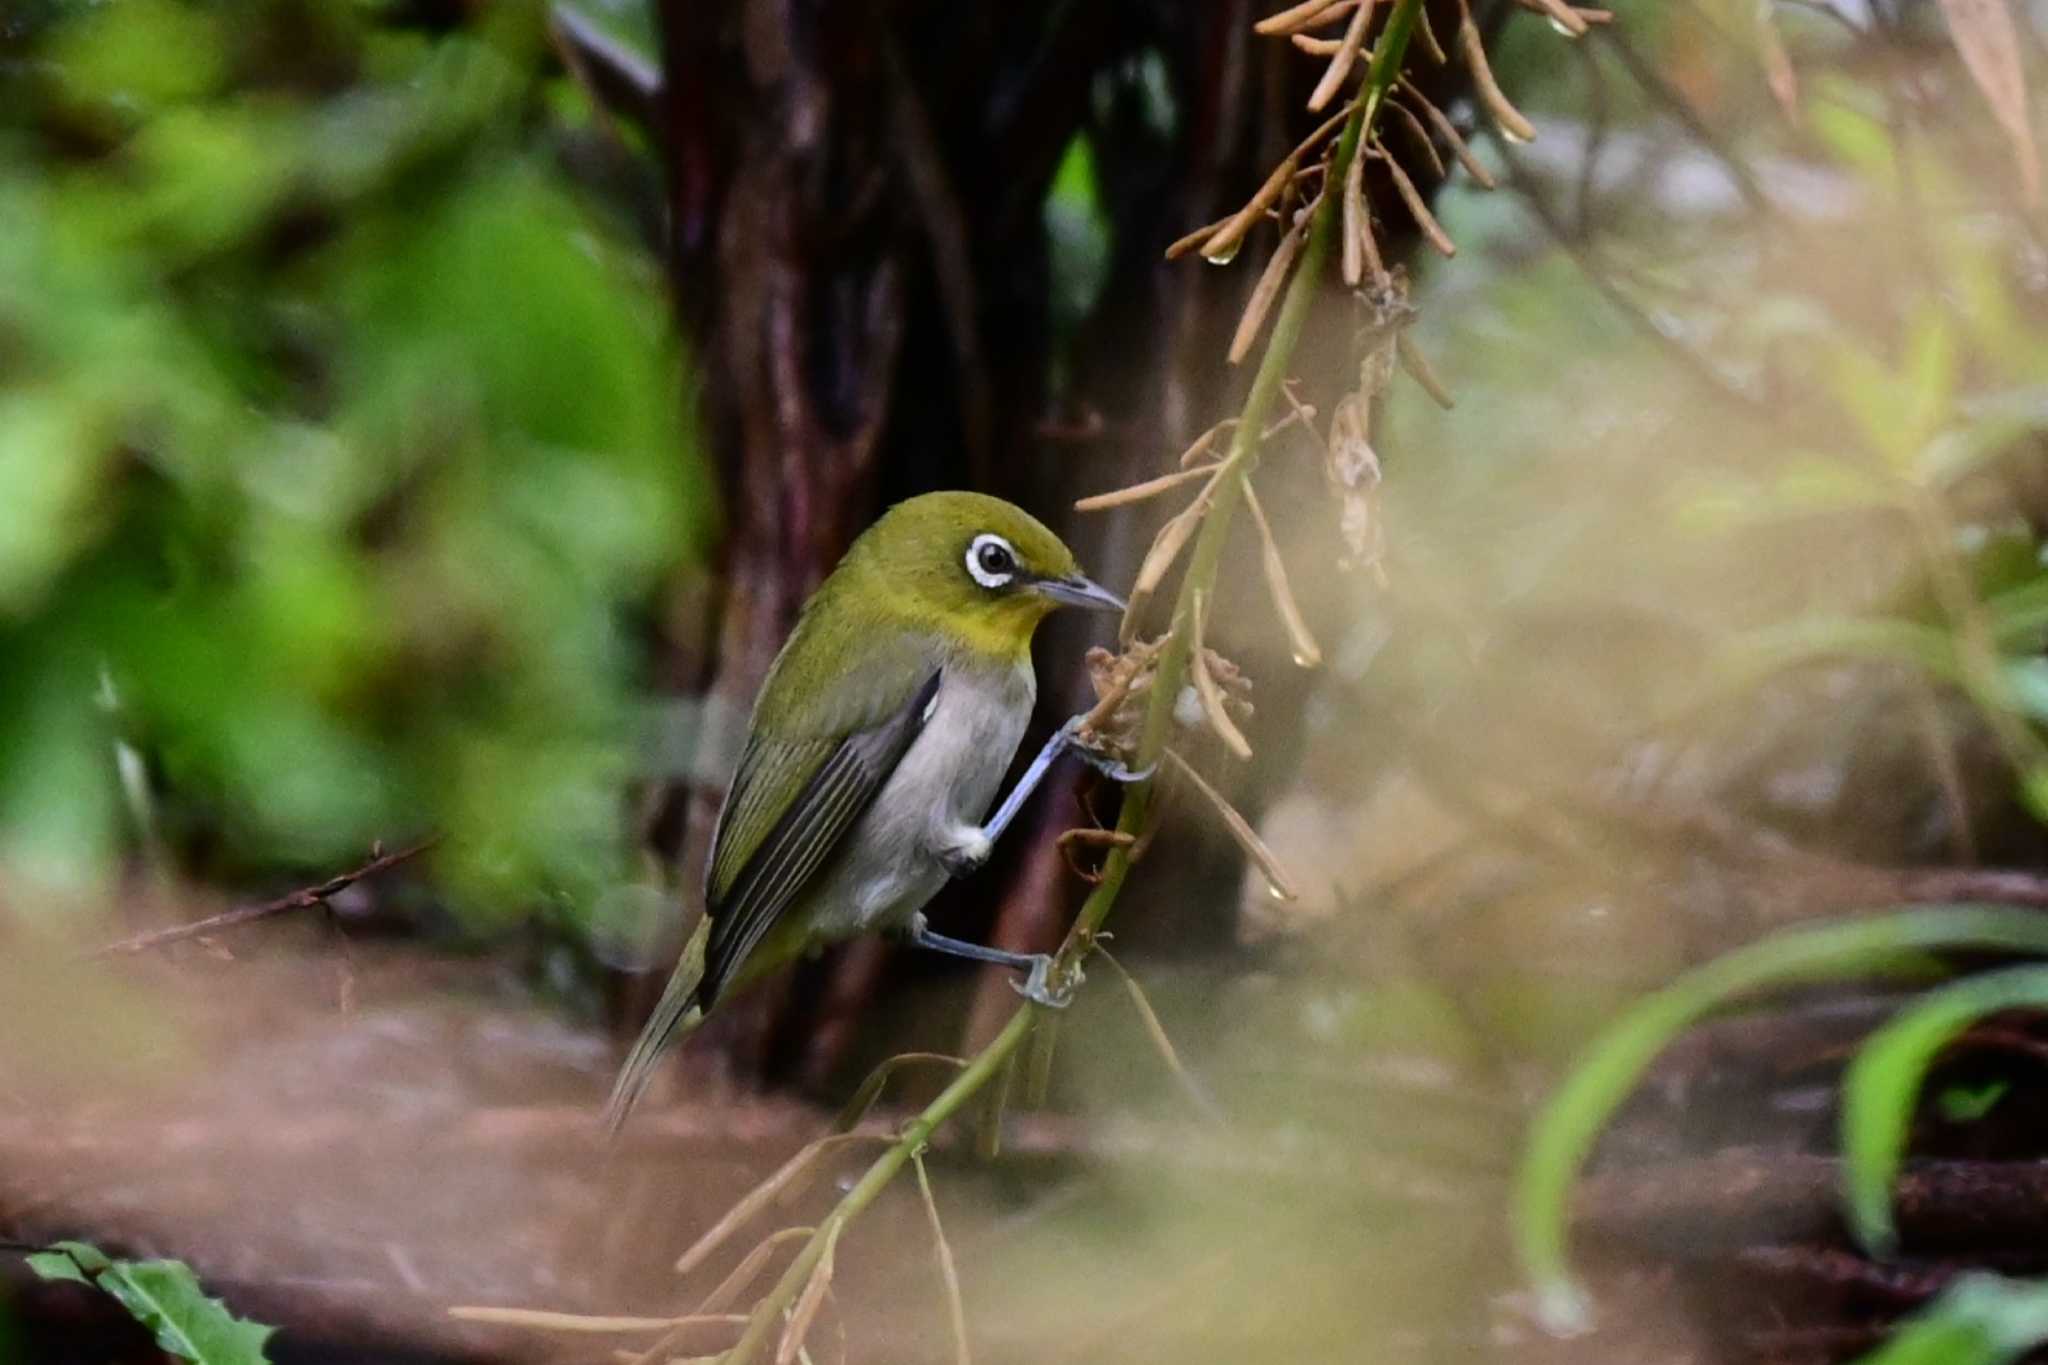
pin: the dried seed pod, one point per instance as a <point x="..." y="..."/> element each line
<point x="1429" y="38"/>
<point x="1307" y="653"/>
<point x="1357" y="225"/>
<point x="1317" y="47"/>
<point x="1346" y="56"/>
<point x="1563" y="15"/>
<point x="1209" y="691"/>
<point x="1268" y="289"/>
<point x="1223" y="243"/>
<point x="1421" y="136"/>
<point x="1184" y="245"/>
<point x="1301" y="16"/>
<point x="1448" y="131"/>
<point x="1240" y="829"/>
<point x="1510" y="119"/>
<point x="1166" y="547"/>
<point x="1418" y="368"/>
<point x="1412" y="197"/>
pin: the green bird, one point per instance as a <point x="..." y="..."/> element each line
<point x="876" y="746"/>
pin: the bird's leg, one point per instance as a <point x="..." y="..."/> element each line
<point x="1037" y="967"/>
<point x="1065" y="738"/>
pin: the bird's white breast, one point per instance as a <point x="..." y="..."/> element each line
<point x="948" y="777"/>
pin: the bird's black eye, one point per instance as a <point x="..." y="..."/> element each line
<point x="991" y="560"/>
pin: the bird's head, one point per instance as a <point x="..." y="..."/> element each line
<point x="982" y="571"/>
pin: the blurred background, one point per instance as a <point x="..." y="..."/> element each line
<point x="421" y="419"/>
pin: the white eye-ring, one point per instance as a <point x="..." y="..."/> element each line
<point x="991" y="560"/>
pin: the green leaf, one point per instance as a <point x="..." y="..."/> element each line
<point x="1978" y="1320"/>
<point x="1968" y="1104"/>
<point x="165" y="1297"/>
<point x="1882" y="1086"/>
<point x="55" y="1265"/>
<point x="1565" y="1131"/>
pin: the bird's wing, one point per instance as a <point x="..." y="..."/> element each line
<point x="790" y="806"/>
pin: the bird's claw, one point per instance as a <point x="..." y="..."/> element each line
<point x="1037" y="985"/>
<point x="1109" y="766"/>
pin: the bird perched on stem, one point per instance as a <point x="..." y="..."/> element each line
<point x="875" y="748"/>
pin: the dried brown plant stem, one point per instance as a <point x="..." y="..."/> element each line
<point x="305" y="898"/>
<point x="995" y="1059"/>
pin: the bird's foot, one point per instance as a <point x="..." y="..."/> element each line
<point x="1108" y="765"/>
<point x="1037" y="984"/>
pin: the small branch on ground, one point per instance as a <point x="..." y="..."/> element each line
<point x="305" y="898"/>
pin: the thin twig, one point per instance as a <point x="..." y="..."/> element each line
<point x="305" y="898"/>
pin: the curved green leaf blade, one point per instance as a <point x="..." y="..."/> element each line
<point x="1978" y="1320"/>
<point x="1882" y="1087"/>
<point x="1564" y="1132"/>
<point x="165" y="1297"/>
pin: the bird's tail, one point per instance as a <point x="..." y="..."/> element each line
<point x="675" y="1017"/>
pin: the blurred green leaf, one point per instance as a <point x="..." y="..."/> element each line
<point x="1971" y="1104"/>
<point x="1978" y="1320"/>
<point x="1881" y="1089"/>
<point x="1570" y="1122"/>
<point x="165" y="1297"/>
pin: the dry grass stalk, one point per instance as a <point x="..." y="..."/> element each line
<point x="1197" y="1093"/>
<point x="1357" y="225"/>
<point x="808" y="1302"/>
<point x="1421" y="136"/>
<point x="871" y="1087"/>
<point x="1448" y="131"/>
<point x="1307" y="653"/>
<point x="1299" y="16"/>
<point x="1417" y="209"/>
<point x="949" y="1273"/>
<point x="1510" y="119"/>
<point x="1138" y="492"/>
<point x="748" y="1269"/>
<point x="1240" y="830"/>
<point x="1256" y="309"/>
<point x="1419" y="369"/>
<point x="758" y="1198"/>
<point x="1317" y="47"/>
<point x="544" y="1321"/>
<point x="1345" y="58"/>
<point x="1222" y="245"/>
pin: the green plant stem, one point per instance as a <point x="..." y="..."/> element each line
<point x="1172" y="671"/>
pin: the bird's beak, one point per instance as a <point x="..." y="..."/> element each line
<point x="1077" y="591"/>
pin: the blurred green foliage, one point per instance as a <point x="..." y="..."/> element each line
<point x="165" y="1297"/>
<point x="342" y="443"/>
